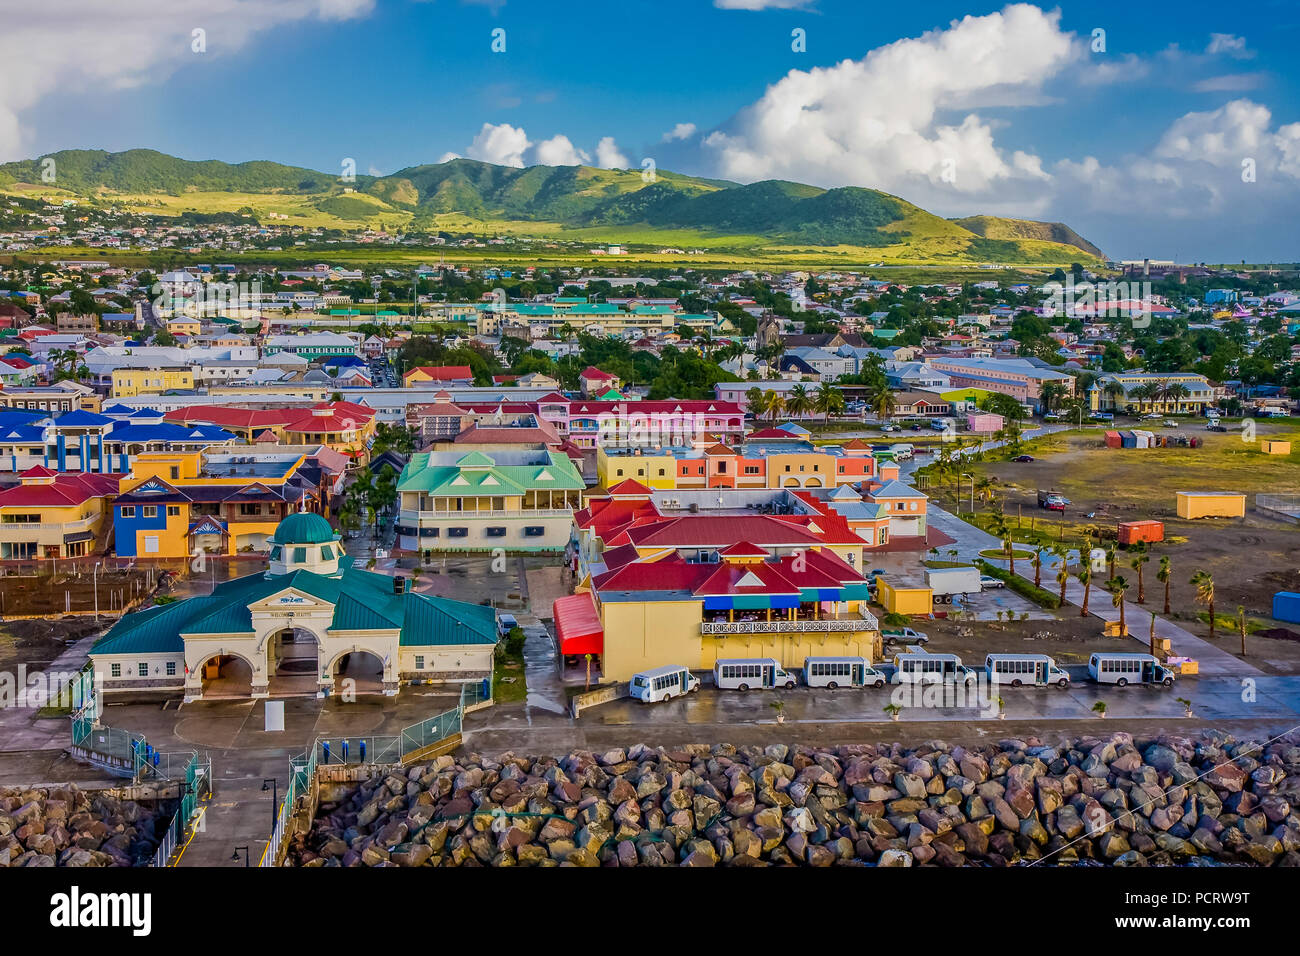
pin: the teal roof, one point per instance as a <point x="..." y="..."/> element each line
<point x="498" y="473"/>
<point x="363" y="601"/>
<point x="303" y="528"/>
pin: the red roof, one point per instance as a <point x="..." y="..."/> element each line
<point x="443" y="373"/>
<point x="577" y="625"/>
<point x="629" y="488"/>
<point x="595" y="374"/>
<point x="70" y="488"/>
<point x="743" y="549"/>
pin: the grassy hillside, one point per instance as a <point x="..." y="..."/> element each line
<point x="995" y="227"/>
<point x="759" y="221"/>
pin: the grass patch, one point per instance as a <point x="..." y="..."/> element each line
<point x="999" y="554"/>
<point x="513" y="690"/>
<point x="1227" y="624"/>
<point x="1040" y="596"/>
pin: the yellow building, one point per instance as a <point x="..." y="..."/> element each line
<point x="1211" y="504"/>
<point x="55" y="515"/>
<point x="1276" y="447"/>
<point x="129" y="382"/>
<point x="173" y="505"/>
<point x="747" y="604"/>
<point x="184" y="326"/>
<point x="780" y="461"/>
<point x="903" y="597"/>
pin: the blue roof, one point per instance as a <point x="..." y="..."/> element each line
<point x="81" y="418"/>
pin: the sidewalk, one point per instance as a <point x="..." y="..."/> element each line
<point x="1213" y="661"/>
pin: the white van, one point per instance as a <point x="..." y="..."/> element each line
<point x="902" y="451"/>
<point x="1016" y="669"/>
<point x="840" y="672"/>
<point x="930" y="668"/>
<point x="1122" y="669"/>
<point x="742" y="673"/>
<point x="663" y="683"/>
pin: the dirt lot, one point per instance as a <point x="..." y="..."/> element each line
<point x="1070" y="639"/>
<point x="1250" y="558"/>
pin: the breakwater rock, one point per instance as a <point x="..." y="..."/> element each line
<point x="67" y="826"/>
<point x="1114" y="801"/>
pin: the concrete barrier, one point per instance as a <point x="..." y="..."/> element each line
<point x="601" y="695"/>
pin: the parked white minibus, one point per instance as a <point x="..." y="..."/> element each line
<point x="663" y="683"/>
<point x="840" y="672"/>
<point x="742" y="673"/>
<point x="1122" y="669"/>
<point x="925" y="668"/>
<point x="1016" y="669"/>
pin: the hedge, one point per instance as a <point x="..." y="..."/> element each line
<point x="1040" y="596"/>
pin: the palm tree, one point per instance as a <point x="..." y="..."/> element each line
<point x="1051" y="396"/>
<point x="1110" y="558"/>
<point x="1009" y="546"/>
<point x="1241" y="627"/>
<point x="1114" y="391"/>
<point x="882" y="403"/>
<point x="1118" y="586"/>
<point x="798" y="402"/>
<point x="1085" y="578"/>
<point x="1062" y="571"/>
<point x="828" y="400"/>
<point x="754" y="401"/>
<point x="1140" y="557"/>
<point x="1203" y="581"/>
<point x="1163" y="576"/>
<point x="1038" y="565"/>
<point x="773" y="404"/>
<point x="1177" y="392"/>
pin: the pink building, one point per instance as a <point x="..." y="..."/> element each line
<point x="983" y="422"/>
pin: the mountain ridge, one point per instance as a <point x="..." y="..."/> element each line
<point x="588" y="201"/>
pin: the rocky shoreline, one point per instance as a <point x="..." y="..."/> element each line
<point x="1114" y="801"/>
<point x="68" y="826"/>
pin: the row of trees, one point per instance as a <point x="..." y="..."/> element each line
<point x="826" y="400"/>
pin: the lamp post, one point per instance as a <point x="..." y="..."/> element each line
<point x="275" y="797"/>
<point x="960" y="476"/>
<point x="95" y="578"/>
<point x="235" y="856"/>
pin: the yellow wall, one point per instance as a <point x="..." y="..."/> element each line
<point x="639" y="636"/>
<point x="128" y="382"/>
<point x="1276" y="447"/>
<point x="1194" y="505"/>
<point x="899" y="599"/>
<point x="642" y="468"/>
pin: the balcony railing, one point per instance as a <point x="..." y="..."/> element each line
<point x="413" y="517"/>
<point x="867" y="622"/>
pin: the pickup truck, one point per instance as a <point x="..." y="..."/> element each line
<point x="1052" y="501"/>
<point x="903" y="635"/>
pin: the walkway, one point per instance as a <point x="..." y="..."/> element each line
<point x="1212" y="660"/>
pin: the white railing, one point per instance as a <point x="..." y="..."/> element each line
<point x="415" y="516"/>
<point x="867" y="623"/>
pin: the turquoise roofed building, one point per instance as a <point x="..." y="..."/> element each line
<point x="514" y="498"/>
<point x="310" y="625"/>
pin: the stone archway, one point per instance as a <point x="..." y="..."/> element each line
<point x="226" y="676"/>
<point x="293" y="660"/>
<point x="356" y="672"/>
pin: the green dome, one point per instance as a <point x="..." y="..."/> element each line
<point x="303" y="528"/>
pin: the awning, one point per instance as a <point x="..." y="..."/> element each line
<point x="76" y="536"/>
<point x="749" y="602"/>
<point x="577" y="625"/>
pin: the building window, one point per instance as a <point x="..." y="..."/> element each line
<point x="116" y="670"/>
<point x="128" y="511"/>
<point x="457" y="532"/>
<point x="171" y="668"/>
<point x="173" y="511"/>
<point x="495" y="532"/>
<point x="299" y="555"/>
<point x="142" y="669"/>
<point x="419" y="662"/>
<point x="534" y="531"/>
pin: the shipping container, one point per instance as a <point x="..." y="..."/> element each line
<point x="1113" y="440"/>
<point x="1132" y="532"/>
<point x="1286" y="606"/>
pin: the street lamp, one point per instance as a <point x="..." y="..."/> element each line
<point x="275" y="797"/>
<point x="95" y="578"/>
<point x="960" y="476"/>
<point x="235" y="856"/>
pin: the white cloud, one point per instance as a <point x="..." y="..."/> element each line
<point x="558" y="151"/>
<point x="502" y="144"/>
<point x="1227" y="43"/>
<point x="678" y="132"/>
<point x="880" y="121"/>
<point x="448" y="156"/>
<point x="87" y="44"/>
<point x="609" y="156"/>
<point x="1229" y="83"/>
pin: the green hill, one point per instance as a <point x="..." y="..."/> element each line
<point x="580" y="202"/>
<point x="995" y="227"/>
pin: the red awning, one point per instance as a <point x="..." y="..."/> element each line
<point x="577" y="625"/>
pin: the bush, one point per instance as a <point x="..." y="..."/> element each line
<point x="515" y="642"/>
<point x="1040" y="596"/>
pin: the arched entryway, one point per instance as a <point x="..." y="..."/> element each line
<point x="357" y="672"/>
<point x="294" y="657"/>
<point x="226" y="675"/>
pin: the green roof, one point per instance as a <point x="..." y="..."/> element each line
<point x="303" y="528"/>
<point x="363" y="601"/>
<point x="499" y="473"/>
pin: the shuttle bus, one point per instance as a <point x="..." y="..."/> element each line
<point x="835" y="672"/>
<point x="1122" y="669"/>
<point x="930" y="668"/>
<point x="1016" y="669"/>
<point x="742" y="673"/>
<point x="663" y="683"/>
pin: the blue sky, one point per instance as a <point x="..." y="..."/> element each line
<point x="959" y="107"/>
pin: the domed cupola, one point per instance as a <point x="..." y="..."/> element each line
<point x="305" y="542"/>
